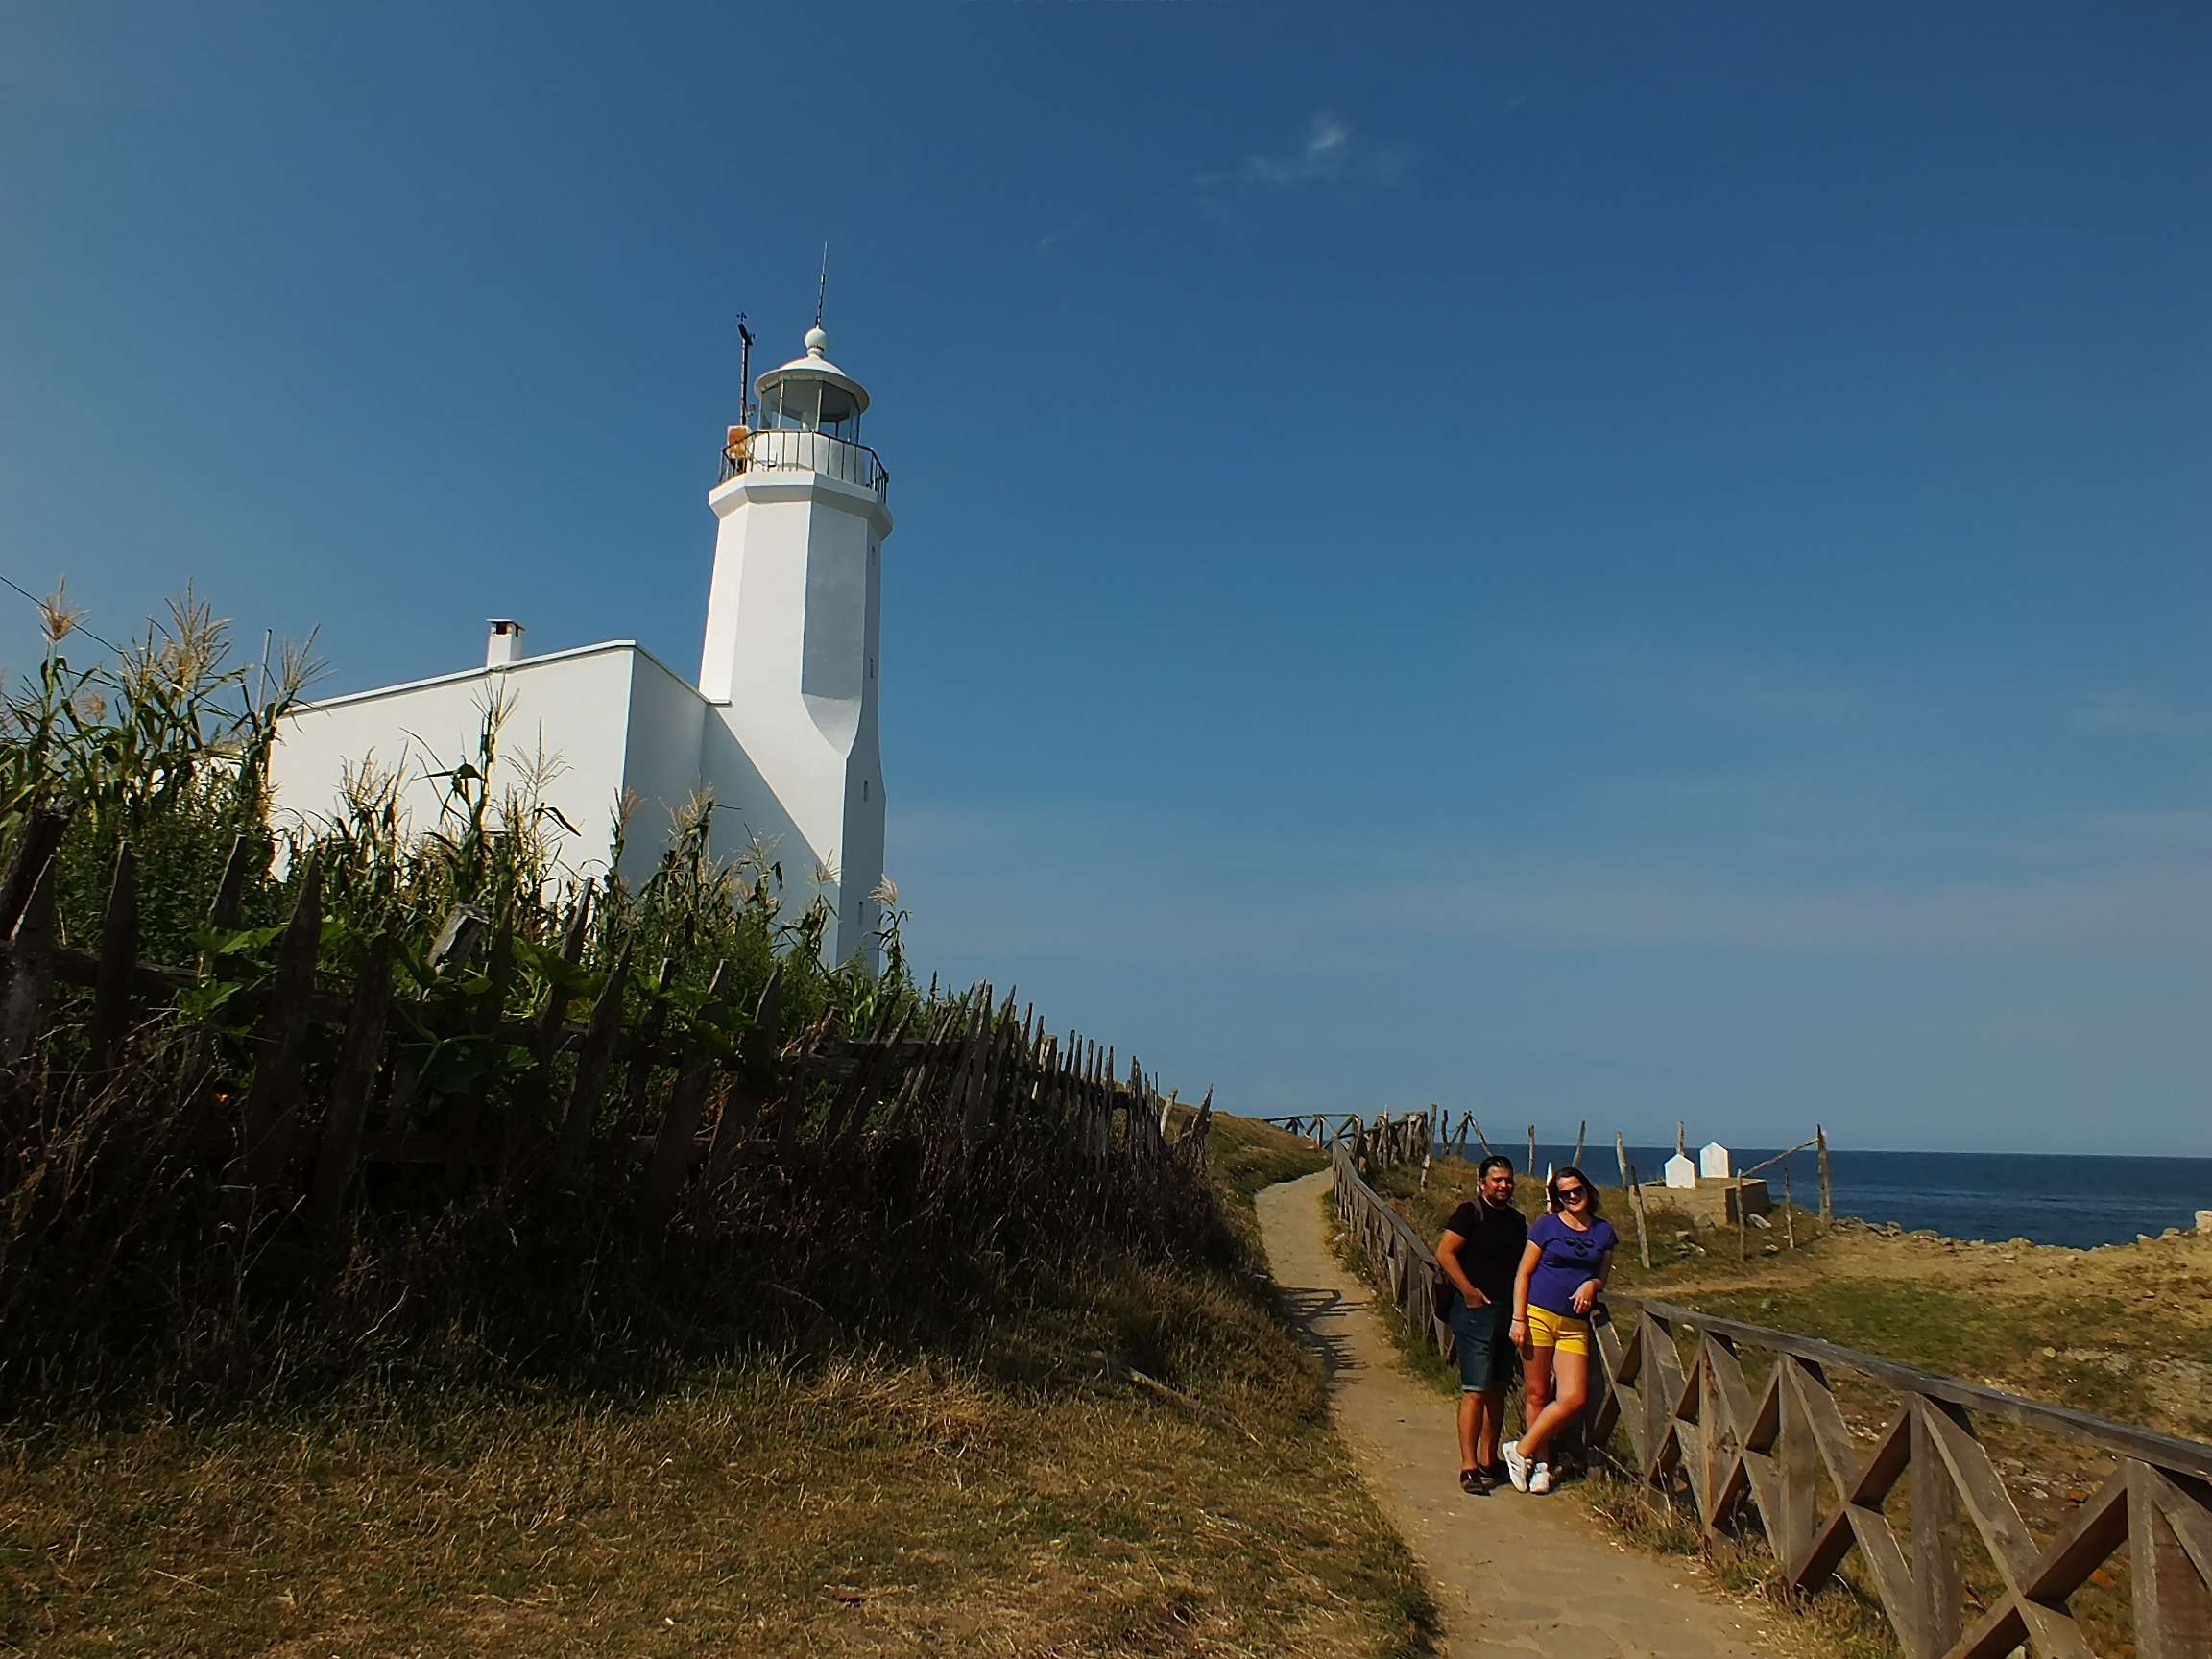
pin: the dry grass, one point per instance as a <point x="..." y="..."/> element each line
<point x="1840" y="1622"/>
<point x="1019" y="1497"/>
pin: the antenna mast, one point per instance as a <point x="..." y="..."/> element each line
<point x="822" y="291"/>
<point x="744" y="370"/>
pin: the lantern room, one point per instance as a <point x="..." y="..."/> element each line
<point x="811" y="394"/>
<point x="809" y="418"/>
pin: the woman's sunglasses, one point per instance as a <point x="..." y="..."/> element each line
<point x="1568" y="1194"/>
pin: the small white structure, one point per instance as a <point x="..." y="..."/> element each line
<point x="780" y="728"/>
<point x="1713" y="1162"/>
<point x="1681" y="1171"/>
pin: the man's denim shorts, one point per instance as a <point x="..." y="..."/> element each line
<point x="1485" y="1361"/>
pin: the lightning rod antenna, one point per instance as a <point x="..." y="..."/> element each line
<point x="822" y="290"/>
<point x="744" y="370"/>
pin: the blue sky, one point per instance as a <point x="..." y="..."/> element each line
<point x="1618" y="563"/>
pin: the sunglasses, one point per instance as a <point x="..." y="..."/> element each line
<point x="1568" y="1194"/>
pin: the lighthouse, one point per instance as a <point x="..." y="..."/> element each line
<point x="779" y="729"/>
<point x="794" y="619"/>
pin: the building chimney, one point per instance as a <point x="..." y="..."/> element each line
<point x="505" y="645"/>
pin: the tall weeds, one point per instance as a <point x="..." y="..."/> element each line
<point x="135" y="1266"/>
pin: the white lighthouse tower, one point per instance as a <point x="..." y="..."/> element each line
<point x="793" y="623"/>
<point x="780" y="730"/>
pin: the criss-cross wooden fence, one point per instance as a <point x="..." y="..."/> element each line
<point x="1392" y="1139"/>
<point x="1675" y="1406"/>
<point x="588" y="1080"/>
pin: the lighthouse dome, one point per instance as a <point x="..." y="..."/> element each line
<point x="811" y="392"/>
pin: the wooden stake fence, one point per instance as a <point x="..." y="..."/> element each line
<point x="649" y="1099"/>
<point x="1635" y="1190"/>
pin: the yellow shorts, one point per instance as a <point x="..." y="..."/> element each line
<point x="1561" y="1331"/>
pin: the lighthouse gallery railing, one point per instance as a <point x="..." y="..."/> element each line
<point x="789" y="449"/>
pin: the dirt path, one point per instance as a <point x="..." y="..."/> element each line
<point x="1512" y="1574"/>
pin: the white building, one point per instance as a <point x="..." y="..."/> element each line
<point x="1714" y="1163"/>
<point x="780" y="727"/>
<point x="1680" y="1171"/>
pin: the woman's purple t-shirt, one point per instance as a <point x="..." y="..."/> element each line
<point x="1569" y="1259"/>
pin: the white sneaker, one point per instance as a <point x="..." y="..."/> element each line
<point x="1516" y="1465"/>
<point x="1540" y="1478"/>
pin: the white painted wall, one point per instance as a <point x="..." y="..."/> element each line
<point x="1680" y="1171"/>
<point x="667" y="723"/>
<point x="617" y="718"/>
<point x="746" y="808"/>
<point x="574" y="706"/>
<point x="1713" y="1162"/>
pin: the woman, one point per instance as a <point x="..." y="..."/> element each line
<point x="1570" y="1251"/>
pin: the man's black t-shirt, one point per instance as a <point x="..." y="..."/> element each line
<point x="1491" y="1254"/>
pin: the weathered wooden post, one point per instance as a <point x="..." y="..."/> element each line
<point x="118" y="953"/>
<point x="1581" y="1133"/>
<point x="1635" y="1190"/>
<point x="360" y="1056"/>
<point x="746" y="1092"/>
<point x="1796" y="1464"/>
<point x="272" y="1107"/>
<point x="1938" y="1603"/>
<point x="2172" y="1594"/>
<point x="671" y="1157"/>
<point x="602" y="1033"/>
<point x="34" y="844"/>
<point x="1531" y="1148"/>
<point x="1789" y="1220"/>
<point x="30" y="966"/>
<point x="1827" y="1192"/>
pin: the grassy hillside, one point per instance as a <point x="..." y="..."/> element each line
<point x="1025" y="1494"/>
<point x="1248" y="1155"/>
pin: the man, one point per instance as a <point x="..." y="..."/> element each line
<point x="1479" y="1253"/>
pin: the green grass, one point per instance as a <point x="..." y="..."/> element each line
<point x="1248" y="1155"/>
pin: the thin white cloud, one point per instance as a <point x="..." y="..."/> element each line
<point x="1058" y="234"/>
<point x="1883" y="917"/>
<point x="1327" y="149"/>
<point x="2134" y="712"/>
<point x="1737" y="688"/>
<point x="1330" y="152"/>
<point x="2138" y="878"/>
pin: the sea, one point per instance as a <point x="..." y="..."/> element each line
<point x="2047" y="1198"/>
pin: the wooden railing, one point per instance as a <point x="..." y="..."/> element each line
<point x="1674" y="1409"/>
